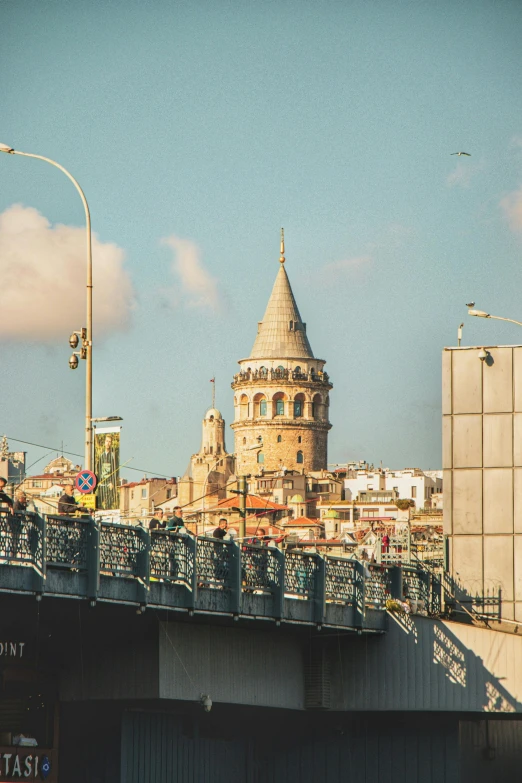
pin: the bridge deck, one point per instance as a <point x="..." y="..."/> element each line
<point x="81" y="558"/>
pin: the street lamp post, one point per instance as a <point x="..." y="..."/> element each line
<point x="86" y="334"/>
<point x="482" y="314"/>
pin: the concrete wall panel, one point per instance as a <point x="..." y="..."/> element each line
<point x="467" y="563"/>
<point x="446" y="382"/>
<point x="517" y="378"/>
<point x="517" y="491"/>
<point x="447" y="444"/>
<point x="498" y="500"/>
<point x="498" y="440"/>
<point x="467" y="501"/>
<point x="498" y="382"/>
<point x="518" y="567"/>
<point x="467" y="441"/>
<point x="467" y="382"/>
<point x="447" y="511"/>
<point x="498" y="565"/>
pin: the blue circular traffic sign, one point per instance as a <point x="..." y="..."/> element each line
<point x="85" y="481"/>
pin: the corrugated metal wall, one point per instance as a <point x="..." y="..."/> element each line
<point x="157" y="749"/>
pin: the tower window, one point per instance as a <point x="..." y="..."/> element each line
<point x="298" y="408"/>
<point x="280" y="407"/>
<point x="279" y="438"/>
<point x="260" y="457"/>
<point x="244" y="441"/>
<point x="291" y="325"/>
<point x="300" y="458"/>
<point x="262" y="408"/>
<point x="299" y="439"/>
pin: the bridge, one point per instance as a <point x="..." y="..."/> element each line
<point x="309" y="667"/>
<point x="128" y="564"/>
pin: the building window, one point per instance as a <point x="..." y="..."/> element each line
<point x="144" y="492"/>
<point x="37" y="484"/>
<point x="262" y="408"/>
<point x="287" y="484"/>
<point x="132" y="494"/>
<point x="414" y="492"/>
<point x="298" y="409"/>
<point x="300" y="458"/>
<point x="280" y="407"/>
<point x="279" y="438"/>
<point x="244" y="441"/>
<point x="169" y="494"/>
<point x="299" y="439"/>
<point x="260" y="457"/>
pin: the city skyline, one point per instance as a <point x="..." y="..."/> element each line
<point x="197" y="133"/>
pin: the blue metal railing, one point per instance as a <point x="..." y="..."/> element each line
<point x="113" y="561"/>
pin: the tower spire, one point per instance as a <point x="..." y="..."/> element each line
<point x="282" y="256"/>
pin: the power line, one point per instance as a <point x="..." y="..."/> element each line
<point x="74" y="454"/>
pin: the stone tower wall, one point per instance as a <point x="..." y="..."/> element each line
<point x="282" y="435"/>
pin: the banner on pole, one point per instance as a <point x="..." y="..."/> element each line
<point x="107" y="466"/>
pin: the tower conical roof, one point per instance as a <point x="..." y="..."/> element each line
<point x="281" y="334"/>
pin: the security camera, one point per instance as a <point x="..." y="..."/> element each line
<point x="483" y="354"/>
<point x="74" y="340"/>
<point x="73" y="362"/>
<point x="206" y="702"/>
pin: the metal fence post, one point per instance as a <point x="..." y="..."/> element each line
<point x="279" y="583"/>
<point x="38" y="533"/>
<point x="191" y="550"/>
<point x="143" y="565"/>
<point x="320" y="590"/>
<point x="235" y="577"/>
<point x="93" y="559"/>
<point x="360" y="594"/>
<point x="396" y="582"/>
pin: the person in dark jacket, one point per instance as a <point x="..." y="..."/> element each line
<point x="4" y="497"/>
<point x="67" y="504"/>
<point x="221" y="530"/>
<point x="21" y="501"/>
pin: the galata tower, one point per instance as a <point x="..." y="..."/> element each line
<point x="281" y="392"/>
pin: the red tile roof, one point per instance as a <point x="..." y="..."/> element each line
<point x="252" y="502"/>
<point x="302" y="522"/>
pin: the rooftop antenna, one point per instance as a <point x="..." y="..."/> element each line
<point x="213" y="382"/>
<point x="282" y="258"/>
<point x="459" y="334"/>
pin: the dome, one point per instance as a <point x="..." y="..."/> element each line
<point x="213" y="413"/>
<point x="296" y="499"/>
<point x="331" y="514"/>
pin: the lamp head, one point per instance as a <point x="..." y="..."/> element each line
<point x="73" y="362"/>
<point x="74" y="340"/>
<point x="483" y="354"/>
<point x="479" y="313"/>
<point x="6" y="148"/>
<point x="206" y="702"/>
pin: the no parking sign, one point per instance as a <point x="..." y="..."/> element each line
<point x="85" y="481"/>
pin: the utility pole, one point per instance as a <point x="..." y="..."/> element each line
<point x="242" y="492"/>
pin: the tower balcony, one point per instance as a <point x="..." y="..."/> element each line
<point x="277" y="375"/>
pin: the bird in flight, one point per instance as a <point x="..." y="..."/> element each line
<point x="462" y="153"/>
<point x="470" y="304"/>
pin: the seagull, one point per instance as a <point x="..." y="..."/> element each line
<point x="470" y="304"/>
<point x="462" y="153"/>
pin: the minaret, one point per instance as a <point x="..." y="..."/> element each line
<point x="281" y="392"/>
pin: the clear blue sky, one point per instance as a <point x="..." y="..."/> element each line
<point x="215" y="123"/>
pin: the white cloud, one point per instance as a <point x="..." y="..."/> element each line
<point x="43" y="278"/>
<point x="512" y="206"/>
<point x="461" y="175"/>
<point x="197" y="287"/>
<point x="354" y="264"/>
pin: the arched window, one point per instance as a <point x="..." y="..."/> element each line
<point x="262" y="408"/>
<point x="260" y="457"/>
<point x="281" y="368"/>
<point x="299" y="439"/>
<point x="263" y="372"/>
<point x="300" y="458"/>
<point x="298" y="406"/>
<point x="279" y="438"/>
<point x="297" y="369"/>
<point x="280" y="407"/>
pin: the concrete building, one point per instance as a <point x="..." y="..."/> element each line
<point x="138" y="499"/>
<point x="204" y="483"/>
<point x="409" y="483"/>
<point x="281" y="393"/>
<point x="482" y="461"/>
